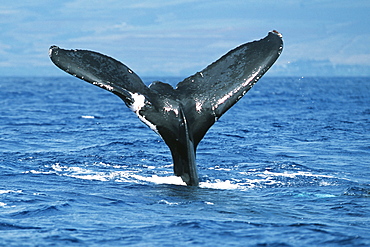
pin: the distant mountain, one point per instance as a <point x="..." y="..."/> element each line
<point x="318" y="68"/>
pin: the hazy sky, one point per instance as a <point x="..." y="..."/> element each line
<point x="180" y="37"/>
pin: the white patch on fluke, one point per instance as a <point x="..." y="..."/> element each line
<point x="198" y="106"/>
<point x="102" y="85"/>
<point x="137" y="105"/>
<point x="150" y="125"/>
<point x="230" y="94"/>
<point x="139" y="102"/>
<point x="169" y="107"/>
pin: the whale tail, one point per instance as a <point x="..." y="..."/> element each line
<point x="183" y="115"/>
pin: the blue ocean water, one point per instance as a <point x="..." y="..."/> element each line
<point x="288" y="165"/>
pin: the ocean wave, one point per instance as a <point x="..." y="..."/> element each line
<point x="10" y="226"/>
<point x="237" y="180"/>
<point x="10" y="191"/>
<point x="38" y="210"/>
<point x="358" y="191"/>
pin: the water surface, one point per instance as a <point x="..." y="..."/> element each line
<point x="288" y="165"/>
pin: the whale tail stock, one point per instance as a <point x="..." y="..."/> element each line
<point x="181" y="116"/>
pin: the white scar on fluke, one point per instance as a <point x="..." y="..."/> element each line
<point x="198" y="106"/>
<point x="233" y="92"/>
<point x="102" y="85"/>
<point x="137" y="105"/>
<point x="139" y="102"/>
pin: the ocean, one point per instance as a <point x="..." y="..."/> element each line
<point x="288" y="165"/>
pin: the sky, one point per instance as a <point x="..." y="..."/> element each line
<point x="181" y="37"/>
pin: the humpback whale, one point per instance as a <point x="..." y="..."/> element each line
<point x="181" y="115"/>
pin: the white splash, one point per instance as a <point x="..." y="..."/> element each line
<point x="168" y="203"/>
<point x="38" y="172"/>
<point x="120" y="176"/>
<point x="218" y="184"/>
<point x="161" y="180"/>
<point x="294" y="174"/>
<point x="218" y="168"/>
<point x="10" y="191"/>
<point x="4" y="205"/>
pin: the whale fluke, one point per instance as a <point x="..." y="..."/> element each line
<point x="183" y="115"/>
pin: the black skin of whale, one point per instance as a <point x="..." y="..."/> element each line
<point x="183" y="115"/>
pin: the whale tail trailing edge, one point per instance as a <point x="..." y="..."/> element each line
<point x="181" y="116"/>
